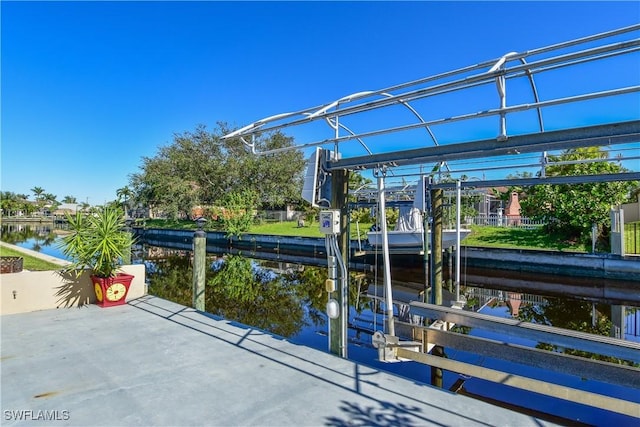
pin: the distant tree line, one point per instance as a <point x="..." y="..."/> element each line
<point x="15" y="203"/>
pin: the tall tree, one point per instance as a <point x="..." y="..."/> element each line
<point x="200" y="168"/>
<point x="571" y="209"/>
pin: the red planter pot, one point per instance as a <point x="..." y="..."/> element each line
<point x="111" y="291"/>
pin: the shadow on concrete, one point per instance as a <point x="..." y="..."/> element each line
<point x="74" y="291"/>
<point x="382" y="413"/>
<point x="385" y="415"/>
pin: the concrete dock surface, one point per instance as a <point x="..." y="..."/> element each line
<point x="152" y="362"/>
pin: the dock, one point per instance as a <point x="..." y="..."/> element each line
<point x="154" y="362"/>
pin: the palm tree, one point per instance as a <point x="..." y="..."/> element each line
<point x="50" y="198"/>
<point x="8" y="202"/>
<point x="69" y="199"/>
<point x="37" y="191"/>
<point x="124" y="193"/>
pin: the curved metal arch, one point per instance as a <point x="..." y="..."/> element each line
<point x="413" y="110"/>
<point x="469" y="81"/>
<point x="334" y="127"/>
<point x="335" y="103"/>
<point x="350" y="98"/>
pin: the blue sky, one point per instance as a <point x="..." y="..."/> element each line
<point x="89" y="88"/>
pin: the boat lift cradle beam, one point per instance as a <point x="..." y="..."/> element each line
<point x="517" y="381"/>
<point x="598" y="135"/>
<point x="626" y="350"/>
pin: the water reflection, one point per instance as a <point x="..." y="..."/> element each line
<point x="45" y="233"/>
<point x="38" y="237"/>
<point x="277" y="297"/>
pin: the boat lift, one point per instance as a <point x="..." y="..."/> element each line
<point x="501" y="73"/>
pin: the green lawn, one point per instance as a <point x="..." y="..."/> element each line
<point x="519" y="238"/>
<point x="286" y="228"/>
<point x="29" y="262"/>
<point x="290" y="228"/>
<point x="632" y="238"/>
<point x="497" y="237"/>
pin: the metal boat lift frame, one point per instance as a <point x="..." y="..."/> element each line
<point x="498" y="71"/>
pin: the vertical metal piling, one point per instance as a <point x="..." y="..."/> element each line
<point x="425" y="255"/>
<point x="338" y="326"/>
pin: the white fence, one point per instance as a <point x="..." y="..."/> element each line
<point x="504" y="221"/>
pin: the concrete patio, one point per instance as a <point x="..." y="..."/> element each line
<point x="154" y="362"/>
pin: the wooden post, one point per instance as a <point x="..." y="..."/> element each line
<point x="199" y="268"/>
<point x="436" y="272"/>
<point x="338" y="326"/>
<point x="425" y="255"/>
<point x="126" y="256"/>
<point x="436" y="247"/>
<point x="437" y="373"/>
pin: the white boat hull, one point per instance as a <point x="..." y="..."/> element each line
<point x="408" y="239"/>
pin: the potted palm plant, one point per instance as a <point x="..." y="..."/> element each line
<point x="98" y="242"/>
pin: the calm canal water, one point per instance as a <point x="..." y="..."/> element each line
<point x="289" y="300"/>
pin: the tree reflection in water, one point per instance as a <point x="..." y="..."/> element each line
<point x="42" y="235"/>
<point x="278" y="300"/>
<point x="575" y="315"/>
<point x="569" y="314"/>
<point x="169" y="278"/>
<point x="242" y="290"/>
